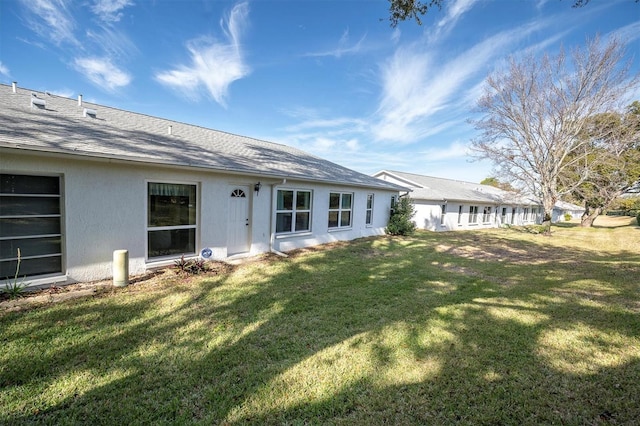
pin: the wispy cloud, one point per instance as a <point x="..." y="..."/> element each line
<point x="628" y="33"/>
<point x="4" y="71"/>
<point x="214" y="64"/>
<point x="103" y="73"/>
<point x="416" y="84"/>
<point x="456" y="149"/>
<point x="110" y="10"/>
<point x="454" y="12"/>
<point x="51" y="20"/>
<point x="344" y="47"/>
<point x="64" y="93"/>
<point x="114" y="43"/>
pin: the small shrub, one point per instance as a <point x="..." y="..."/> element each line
<point x="400" y="222"/>
<point x="638" y="219"/>
<point x="567" y="217"/>
<point x="190" y="266"/>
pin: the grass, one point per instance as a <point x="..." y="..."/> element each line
<point x="490" y="327"/>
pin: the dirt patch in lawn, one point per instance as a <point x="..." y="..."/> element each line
<point x="31" y="298"/>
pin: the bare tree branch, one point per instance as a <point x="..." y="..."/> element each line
<point x="535" y="111"/>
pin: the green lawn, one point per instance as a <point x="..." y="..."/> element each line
<point x="486" y="327"/>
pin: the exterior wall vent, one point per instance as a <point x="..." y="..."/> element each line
<point x="90" y="113"/>
<point x="37" y="102"/>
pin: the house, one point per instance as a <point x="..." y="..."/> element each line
<point x="447" y="204"/>
<point x="563" y="208"/>
<point x="80" y="180"/>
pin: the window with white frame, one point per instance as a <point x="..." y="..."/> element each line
<point x="486" y="214"/>
<point x="369" y="217"/>
<point x="504" y="215"/>
<point x="171" y="219"/>
<point x="473" y="214"/>
<point x="340" y="208"/>
<point x="293" y="211"/>
<point x="460" y="214"/>
<point x="525" y="214"/>
<point x="443" y="213"/>
<point x="30" y="221"/>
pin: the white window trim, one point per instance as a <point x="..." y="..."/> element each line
<point x="369" y="209"/>
<point x="473" y="216"/>
<point x="486" y="217"/>
<point x="340" y="227"/>
<point x="164" y="260"/>
<point x="293" y="212"/>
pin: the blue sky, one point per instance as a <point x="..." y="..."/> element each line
<point x="329" y="77"/>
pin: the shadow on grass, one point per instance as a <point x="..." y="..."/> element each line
<point x="457" y="328"/>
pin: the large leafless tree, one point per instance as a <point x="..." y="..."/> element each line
<point x="535" y="110"/>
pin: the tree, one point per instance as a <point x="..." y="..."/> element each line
<point x="400" y="222"/>
<point x="612" y="162"/>
<point x="535" y="110"/>
<point x="493" y="181"/>
<point x="401" y="10"/>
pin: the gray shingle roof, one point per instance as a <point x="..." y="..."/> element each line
<point x="440" y="189"/>
<point x="113" y="133"/>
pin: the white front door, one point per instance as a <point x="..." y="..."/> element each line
<point x="239" y="226"/>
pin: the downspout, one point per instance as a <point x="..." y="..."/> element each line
<point x="272" y="231"/>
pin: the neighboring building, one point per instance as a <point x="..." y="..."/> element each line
<point x="447" y="205"/>
<point x="562" y="207"/>
<point x="80" y="180"/>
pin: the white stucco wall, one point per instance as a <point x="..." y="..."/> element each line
<point x="320" y="232"/>
<point x="428" y="216"/>
<point x="104" y="208"/>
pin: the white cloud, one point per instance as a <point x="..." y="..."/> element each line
<point x="344" y="48"/>
<point x="457" y="150"/>
<point x="214" y="65"/>
<point x="628" y="33"/>
<point x="51" y="20"/>
<point x="114" y="44"/>
<point x="454" y="12"/>
<point x="4" y="70"/>
<point x="103" y="73"/>
<point x="110" y="10"/>
<point x="416" y="85"/>
<point x="64" y="93"/>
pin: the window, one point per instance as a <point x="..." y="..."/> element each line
<point x="513" y="215"/>
<point x="171" y="219"/>
<point x="443" y="213"/>
<point x="473" y="214"/>
<point x="340" y="209"/>
<point x="293" y="211"/>
<point x="486" y="215"/>
<point x="525" y="214"/>
<point x="504" y="215"/>
<point x="369" y="218"/>
<point x="30" y="220"/>
<point x="460" y="215"/>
